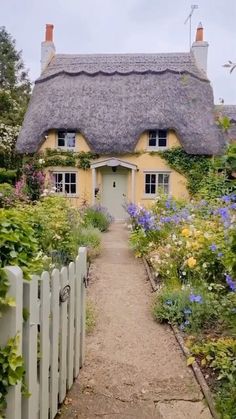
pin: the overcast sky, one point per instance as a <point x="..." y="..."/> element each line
<point x="120" y="26"/>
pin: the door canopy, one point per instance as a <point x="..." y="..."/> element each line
<point x="113" y="162"/>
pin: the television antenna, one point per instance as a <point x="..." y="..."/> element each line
<point x="189" y="18"/>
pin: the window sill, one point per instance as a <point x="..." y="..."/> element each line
<point x="157" y="148"/>
<point x="148" y="197"/>
<point x="67" y="195"/>
<point x="66" y="148"/>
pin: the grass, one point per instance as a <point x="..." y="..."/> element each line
<point x="90" y="317"/>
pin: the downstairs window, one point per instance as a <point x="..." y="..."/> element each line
<point x="155" y="182"/>
<point x="65" y="182"/>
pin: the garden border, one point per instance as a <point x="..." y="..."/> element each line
<point x="195" y="367"/>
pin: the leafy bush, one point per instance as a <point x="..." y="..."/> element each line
<point x="218" y="354"/>
<point x="8" y="176"/>
<point x="55" y="224"/>
<point x="18" y="243"/>
<point x="91" y="238"/>
<point x="6" y="195"/>
<point x="190" y="309"/>
<point x="98" y="217"/>
<point x="11" y="370"/>
<point x="226" y="400"/>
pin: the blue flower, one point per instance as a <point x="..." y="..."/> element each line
<point x="231" y="283"/>
<point x="213" y="247"/>
<point x="220" y="254"/>
<point x="182" y="326"/>
<point x="195" y="298"/>
<point x="169" y="302"/>
<point x="187" y="322"/>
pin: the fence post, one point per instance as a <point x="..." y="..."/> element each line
<point x="44" y="345"/>
<point x="30" y="405"/>
<point x="78" y="281"/>
<point x="54" y="336"/>
<point x="83" y="257"/>
<point x="71" y="326"/>
<point x="10" y="326"/>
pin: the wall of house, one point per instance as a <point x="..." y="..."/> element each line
<point x="143" y="159"/>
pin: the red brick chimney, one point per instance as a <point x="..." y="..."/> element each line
<point x="200" y="49"/>
<point x="49" y="32"/>
<point x="47" y="47"/>
<point x="199" y="33"/>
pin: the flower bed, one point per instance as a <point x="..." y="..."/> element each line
<point x="190" y="247"/>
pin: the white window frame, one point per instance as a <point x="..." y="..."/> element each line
<point x="66" y="146"/>
<point x="64" y="173"/>
<point x="157" y="186"/>
<point x="157" y="137"/>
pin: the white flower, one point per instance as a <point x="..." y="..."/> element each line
<point x="41" y="161"/>
<point x="204" y="265"/>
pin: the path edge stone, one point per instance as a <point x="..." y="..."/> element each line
<point x="195" y="367"/>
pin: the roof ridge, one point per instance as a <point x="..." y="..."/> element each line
<point x="46" y="77"/>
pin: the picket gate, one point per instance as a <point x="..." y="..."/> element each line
<point x="51" y="339"/>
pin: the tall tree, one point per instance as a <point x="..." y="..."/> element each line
<point x="14" y="96"/>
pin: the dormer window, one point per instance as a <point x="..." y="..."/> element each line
<point x="157" y="139"/>
<point x="66" y="140"/>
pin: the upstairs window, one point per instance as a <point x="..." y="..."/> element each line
<point x="157" y="139"/>
<point x="66" y="140"/>
<point x="155" y="182"/>
<point x="65" y="182"/>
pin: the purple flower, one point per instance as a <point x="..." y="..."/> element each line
<point x="220" y="254"/>
<point x="195" y="298"/>
<point x="132" y="210"/>
<point x="213" y="247"/>
<point x="187" y="322"/>
<point x="182" y="326"/>
<point x="231" y="283"/>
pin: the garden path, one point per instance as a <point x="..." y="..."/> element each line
<point x="134" y="367"/>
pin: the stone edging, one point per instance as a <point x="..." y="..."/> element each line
<point x="195" y="367"/>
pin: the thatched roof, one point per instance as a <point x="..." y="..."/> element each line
<point x="112" y="99"/>
<point x="230" y="112"/>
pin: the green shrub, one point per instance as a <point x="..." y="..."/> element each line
<point x="226" y="400"/>
<point x="6" y="195"/>
<point x="56" y="223"/>
<point x="97" y="218"/>
<point x="91" y="238"/>
<point x="219" y="355"/>
<point x="18" y="243"/>
<point x="8" y="176"/>
<point x="190" y="309"/>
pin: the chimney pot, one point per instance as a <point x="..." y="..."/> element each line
<point x="49" y="33"/>
<point x="199" y="33"/>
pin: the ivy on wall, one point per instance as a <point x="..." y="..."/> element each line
<point x="193" y="167"/>
<point x="51" y="158"/>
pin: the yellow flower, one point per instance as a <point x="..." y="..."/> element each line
<point x="191" y="262"/>
<point x="185" y="232"/>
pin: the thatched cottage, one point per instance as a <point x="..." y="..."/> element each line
<point x="123" y="108"/>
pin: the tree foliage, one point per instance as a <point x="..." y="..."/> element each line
<point x="14" y="97"/>
<point x="14" y="81"/>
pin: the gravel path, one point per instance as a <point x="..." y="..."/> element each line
<point x="134" y="367"/>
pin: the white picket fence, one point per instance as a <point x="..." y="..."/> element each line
<point x="52" y="339"/>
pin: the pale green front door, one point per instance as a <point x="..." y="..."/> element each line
<point x="114" y="190"/>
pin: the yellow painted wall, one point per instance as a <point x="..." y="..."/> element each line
<point x="51" y="142"/>
<point x="144" y="161"/>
